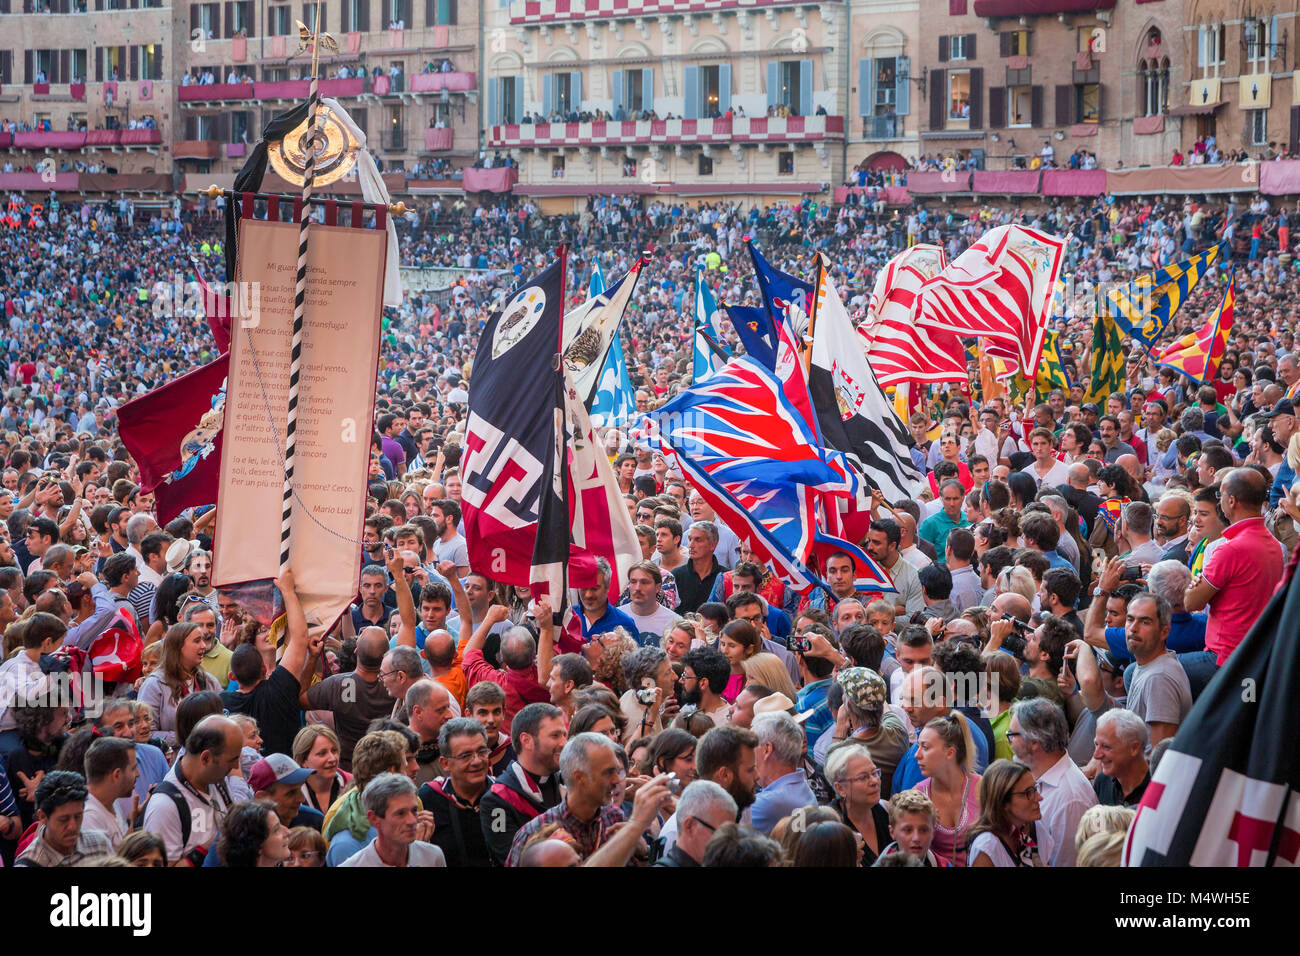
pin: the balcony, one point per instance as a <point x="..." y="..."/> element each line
<point x="499" y="179"/>
<point x="299" y="89"/>
<point x="437" y="139"/>
<point x="215" y="92"/>
<point x="764" y="129"/>
<point x="195" y="149"/>
<point x="51" y="140"/>
<point x="59" y="91"/>
<point x="437" y="82"/>
<point x="553" y="11"/>
<point x="882" y="127"/>
<point x="95" y="138"/>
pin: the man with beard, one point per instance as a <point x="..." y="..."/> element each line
<point x="728" y="757"/>
<point x="450" y="546"/>
<point x="530" y="785"/>
<point x="199" y="567"/>
<point x="705" y="672"/>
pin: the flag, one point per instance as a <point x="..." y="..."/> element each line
<point x="597" y="284"/>
<point x="174" y="435"/>
<point x="1224" y="793"/>
<point x="1197" y="354"/>
<point x="755" y="460"/>
<point x="757" y="332"/>
<point x="615" y="402"/>
<point x="1052" y="372"/>
<point x="217" y="309"/>
<point x="788" y="299"/>
<point x="710" y="353"/>
<point x="598" y="514"/>
<point x="854" y="414"/>
<point x="513" y="490"/>
<point x="1107" y="360"/>
<point x="589" y="330"/>
<point x="897" y="350"/>
<point x="1144" y="307"/>
<point x="999" y="288"/>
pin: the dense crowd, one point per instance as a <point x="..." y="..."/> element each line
<point x="1068" y="579"/>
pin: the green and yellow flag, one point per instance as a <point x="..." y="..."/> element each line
<point x="1107" y="361"/>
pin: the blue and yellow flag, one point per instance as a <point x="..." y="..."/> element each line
<point x="1143" y="308"/>
<point x="1198" y="353"/>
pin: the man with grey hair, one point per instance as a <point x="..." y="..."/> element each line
<point x="1193" y="422"/>
<point x="780" y="752"/>
<point x="137" y="526"/>
<point x="393" y="809"/>
<point x="1121" y="754"/>
<point x="1159" y="691"/>
<point x="398" y="671"/>
<point x="647" y="668"/>
<point x="728" y="544"/>
<point x="598" y="615"/>
<point x="428" y="705"/>
<point x="1039" y="736"/>
<point x="591" y="811"/>
<point x="703" y="807"/>
<point x="695" y="578"/>
<point x="1170" y="579"/>
<point x="1135" y="527"/>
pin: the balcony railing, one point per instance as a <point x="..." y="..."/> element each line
<point x="436" y="139"/>
<point x="56" y="139"/>
<point x="759" y="129"/>
<point x="881" y="127"/>
<point x="436" y="82"/>
<point x="195" y="149"/>
<point x="543" y="11"/>
<point x="216" y="91"/>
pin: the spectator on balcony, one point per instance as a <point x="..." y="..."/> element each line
<point x="187" y="80"/>
<point x="40" y="76"/>
<point x="446" y="66"/>
<point x="821" y="111"/>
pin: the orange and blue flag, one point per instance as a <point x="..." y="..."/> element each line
<point x="1198" y="353"/>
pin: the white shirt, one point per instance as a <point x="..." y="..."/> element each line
<point x="420" y="854"/>
<point x="654" y="623"/>
<point x="99" y="817"/>
<point x="915" y="557"/>
<point x="18" y="675"/>
<point x="1058" y="474"/>
<point x="1066" y="795"/>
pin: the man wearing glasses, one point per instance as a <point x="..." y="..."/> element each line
<point x="454" y="799"/>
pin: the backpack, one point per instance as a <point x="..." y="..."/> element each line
<point x="169" y="789"/>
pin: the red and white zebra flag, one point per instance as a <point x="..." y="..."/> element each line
<point x="897" y="349"/>
<point x="1000" y="288"/>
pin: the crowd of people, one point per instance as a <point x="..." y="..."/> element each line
<point x="1069" y="578"/>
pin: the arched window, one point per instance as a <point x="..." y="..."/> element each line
<point x="1153" y="76"/>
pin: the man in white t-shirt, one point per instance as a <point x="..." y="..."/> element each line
<point x="393" y="809"/>
<point x="111" y="773"/>
<point x="1045" y="469"/>
<point x="644" y="579"/>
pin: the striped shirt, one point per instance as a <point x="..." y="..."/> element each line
<point x="141" y="598"/>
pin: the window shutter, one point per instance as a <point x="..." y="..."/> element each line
<point x="902" y="87"/>
<point x="1004" y="44"/>
<point x="493" y="102"/>
<point x="619" y="101"/>
<point x="805" y="87"/>
<point x="1036" y="106"/>
<point x="938" y="93"/>
<point x="956" y="8"/>
<point x="943" y="49"/>
<point x="1029" y="43"/>
<point x="977" y="99"/>
<point x="866" y="90"/>
<point x="121" y="63"/>
<point x="548" y="95"/>
<point x="724" y="88"/>
<point x="133" y="62"/>
<point x="1064" y="104"/>
<point x="250" y="20"/>
<point x="228" y="20"/>
<point x="363" y="19"/>
<point x="691" y="87"/>
<point x="387" y="7"/>
<point x="575" y="91"/>
<point x="773" y="83"/>
<point x="970" y="46"/>
<point x="451" y="12"/>
<point x="647" y="88"/>
<point x="1101" y="102"/>
<point x="99" y="64"/>
<point x="324" y="18"/>
<point x="430" y="13"/>
<point x="997" y="107"/>
<point x="65" y="66"/>
<point x="1294" y="143"/>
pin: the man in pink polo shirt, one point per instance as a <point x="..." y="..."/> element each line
<point x="1241" y="574"/>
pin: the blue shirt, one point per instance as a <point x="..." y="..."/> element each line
<point x="1056" y="561"/>
<point x="611" y="619"/>
<point x="344" y="844"/>
<point x="1186" y="636"/>
<point x="908" y="773"/>
<point x="814" y="696"/>
<point x="779" y="799"/>
<point x="1281" y="484"/>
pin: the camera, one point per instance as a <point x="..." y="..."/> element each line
<point x="1014" y="643"/>
<point x="800" y="645"/>
<point x="674" y="785"/>
<point x="1132" y="574"/>
<point x="646" y="695"/>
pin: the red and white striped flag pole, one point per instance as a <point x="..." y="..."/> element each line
<point x="300" y="289"/>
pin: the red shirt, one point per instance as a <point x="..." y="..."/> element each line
<point x="1245" y="570"/>
<point x="521" y="687"/>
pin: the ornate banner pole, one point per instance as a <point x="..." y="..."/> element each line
<point x="312" y="38"/>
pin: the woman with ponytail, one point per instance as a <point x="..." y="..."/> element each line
<point x="945" y="752"/>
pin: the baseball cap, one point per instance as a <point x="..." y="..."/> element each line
<point x="1090" y="407"/>
<point x="1282" y="407"/>
<point x="75" y="590"/>
<point x="863" y="686"/>
<point x="277" y="768"/>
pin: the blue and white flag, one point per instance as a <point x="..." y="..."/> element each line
<point x="710" y="353"/>
<point x="615" y="402"/>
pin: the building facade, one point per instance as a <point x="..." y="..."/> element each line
<point x="698" y="99"/>
<point x="209" y="76"/>
<point x="1002" y="80"/>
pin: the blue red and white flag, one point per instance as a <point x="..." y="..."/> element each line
<point x="789" y="299"/>
<point x="757" y="332"/>
<point x="756" y="460"/>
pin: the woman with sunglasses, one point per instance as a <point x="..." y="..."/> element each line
<point x="1005" y="833"/>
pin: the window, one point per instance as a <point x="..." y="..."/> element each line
<point x="240" y="126"/>
<point x="1020" y="106"/>
<point x="634" y="91"/>
<point x="45" y="64"/>
<point x="958" y="45"/>
<point x="563" y="94"/>
<point x="710" y="90"/>
<point x="1211" y="51"/>
<point x="1087" y="102"/>
<point x="275" y="74"/>
<point x="557" y="166"/>
<point x="398" y="12"/>
<point x="205" y="127"/>
<point x="241" y="14"/>
<point x="208" y="20"/>
<point x="785" y="164"/>
<point x="1258" y="124"/>
<point x="511" y="108"/>
<point x="705" y="166"/>
<point x="629" y="167"/>
<point x="790" y="92"/>
<point x="442" y="11"/>
<point x="354" y="10"/>
<point x="959" y="95"/>
<point x="1154" y="91"/>
<point x="280" y="21"/>
<point x="883" y="123"/>
<point x="1258" y="41"/>
<point x="1016" y="43"/>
